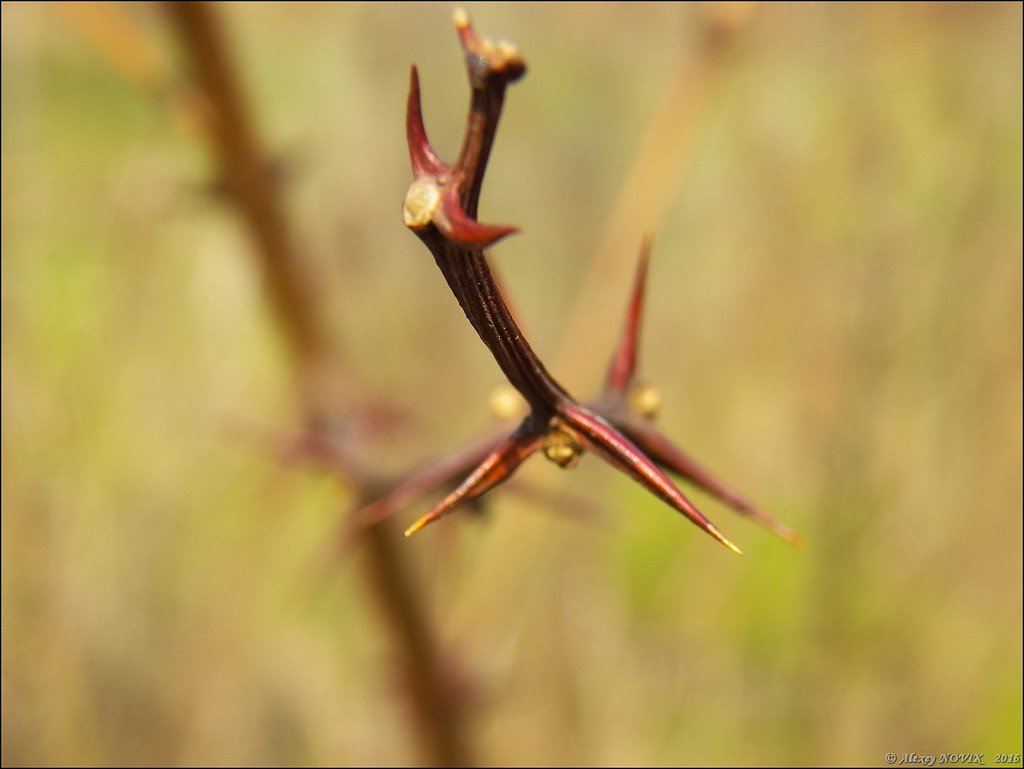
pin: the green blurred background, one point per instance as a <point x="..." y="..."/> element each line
<point x="834" y="321"/>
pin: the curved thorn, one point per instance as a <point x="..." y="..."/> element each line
<point x="618" y="451"/>
<point x="622" y="368"/>
<point x="424" y="160"/>
<point x="459" y="227"/>
<point x="447" y="469"/>
<point x="495" y="468"/>
<point x="668" y="455"/>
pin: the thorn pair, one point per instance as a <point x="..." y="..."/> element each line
<point x="433" y="197"/>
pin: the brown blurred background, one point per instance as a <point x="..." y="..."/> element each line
<point x="834" y="321"/>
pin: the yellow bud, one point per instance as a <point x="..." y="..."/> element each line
<point x="646" y="401"/>
<point x="506" y="403"/>
<point x="421" y="201"/>
<point x="561" y="448"/>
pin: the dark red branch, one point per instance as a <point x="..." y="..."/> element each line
<point x="440" y="208"/>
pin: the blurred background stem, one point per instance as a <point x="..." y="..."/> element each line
<point x="436" y="711"/>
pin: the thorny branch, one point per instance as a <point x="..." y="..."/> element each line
<point x="440" y="207"/>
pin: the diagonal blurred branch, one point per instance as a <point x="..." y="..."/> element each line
<point x="436" y="703"/>
<point x="655" y="176"/>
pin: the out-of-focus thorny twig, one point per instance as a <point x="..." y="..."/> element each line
<point x="431" y="678"/>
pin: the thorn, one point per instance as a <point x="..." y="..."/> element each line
<point x="418" y="525"/>
<point x="668" y="455"/>
<point x="440" y="472"/>
<point x="495" y="468"/>
<point x="622" y="369"/>
<point x="459" y="227"/>
<point x="723" y="539"/>
<point x="616" y="449"/>
<point x="424" y="160"/>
